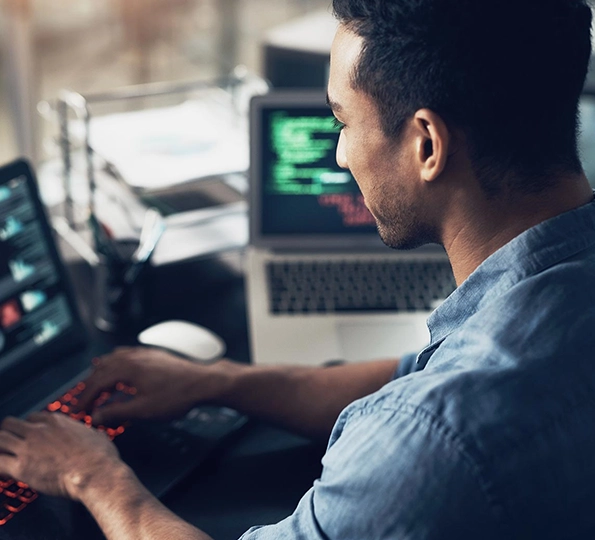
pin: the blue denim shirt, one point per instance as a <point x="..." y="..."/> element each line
<point x="490" y="432"/>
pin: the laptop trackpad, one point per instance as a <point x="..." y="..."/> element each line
<point x="374" y="341"/>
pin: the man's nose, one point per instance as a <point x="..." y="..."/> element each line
<point x="341" y="156"/>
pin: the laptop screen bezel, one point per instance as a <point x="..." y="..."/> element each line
<point x="283" y="99"/>
<point x="75" y="337"/>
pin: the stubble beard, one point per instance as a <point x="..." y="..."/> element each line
<point x="404" y="231"/>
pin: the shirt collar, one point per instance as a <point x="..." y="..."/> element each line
<point x="531" y="252"/>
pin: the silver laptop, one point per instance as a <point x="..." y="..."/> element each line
<point x="321" y="284"/>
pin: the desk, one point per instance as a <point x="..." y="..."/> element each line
<point x="258" y="479"/>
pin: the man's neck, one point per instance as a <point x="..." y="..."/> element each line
<point x="483" y="227"/>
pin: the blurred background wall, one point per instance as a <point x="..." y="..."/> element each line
<point x="97" y="45"/>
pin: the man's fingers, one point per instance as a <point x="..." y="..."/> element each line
<point x="105" y="377"/>
<point x="38" y="417"/>
<point x="8" y="465"/>
<point x="118" y="412"/>
<point x="116" y="356"/>
<point x="94" y="385"/>
<point x="124" y="350"/>
<point x="14" y="426"/>
<point x="9" y="443"/>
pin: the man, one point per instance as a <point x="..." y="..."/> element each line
<point x="459" y="124"/>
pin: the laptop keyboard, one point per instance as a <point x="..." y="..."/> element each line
<point x="358" y="286"/>
<point x="201" y="430"/>
<point x="15" y="496"/>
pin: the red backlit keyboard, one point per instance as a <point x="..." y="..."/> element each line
<point x="15" y="496"/>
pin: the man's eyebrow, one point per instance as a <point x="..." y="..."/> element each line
<point x="336" y="107"/>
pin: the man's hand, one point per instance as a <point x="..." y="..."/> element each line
<point x="60" y="456"/>
<point x="307" y="400"/>
<point x="165" y="385"/>
<point x="54" y="454"/>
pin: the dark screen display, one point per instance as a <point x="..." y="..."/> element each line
<point x="304" y="191"/>
<point x="33" y="307"/>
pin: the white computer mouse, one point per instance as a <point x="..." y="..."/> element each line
<point x="188" y="339"/>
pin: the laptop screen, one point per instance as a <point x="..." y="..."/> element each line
<point x="35" y="309"/>
<point x="304" y="191"/>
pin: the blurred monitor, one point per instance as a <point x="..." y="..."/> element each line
<point x="296" y="54"/>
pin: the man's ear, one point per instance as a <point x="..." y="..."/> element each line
<point x="432" y="142"/>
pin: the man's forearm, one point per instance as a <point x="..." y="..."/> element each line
<point x="125" y="510"/>
<point x="306" y="400"/>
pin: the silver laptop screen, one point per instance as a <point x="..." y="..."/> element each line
<point x="304" y="191"/>
<point x="587" y="136"/>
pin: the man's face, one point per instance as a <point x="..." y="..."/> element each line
<point x="383" y="168"/>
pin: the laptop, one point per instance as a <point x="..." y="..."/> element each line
<point x="45" y="354"/>
<point x="321" y="284"/>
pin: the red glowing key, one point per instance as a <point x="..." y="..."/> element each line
<point x="16" y="505"/>
<point x="54" y="406"/>
<point x="5" y="515"/>
<point x="13" y="491"/>
<point x="28" y="495"/>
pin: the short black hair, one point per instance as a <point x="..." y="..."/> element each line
<point x="509" y="73"/>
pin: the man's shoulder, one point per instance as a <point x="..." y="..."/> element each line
<point x="494" y="397"/>
<point x="399" y="459"/>
<point x="438" y="400"/>
<point x="569" y="282"/>
<point x="521" y="438"/>
<point x="544" y="317"/>
<point x="454" y="398"/>
<point x="498" y="424"/>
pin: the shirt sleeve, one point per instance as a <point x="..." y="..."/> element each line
<point x="301" y="525"/>
<point x="391" y="474"/>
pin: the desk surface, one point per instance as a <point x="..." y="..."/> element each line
<point x="260" y="477"/>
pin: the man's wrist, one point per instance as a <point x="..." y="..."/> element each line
<point x="98" y="480"/>
<point x="126" y="510"/>
<point x="220" y="380"/>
